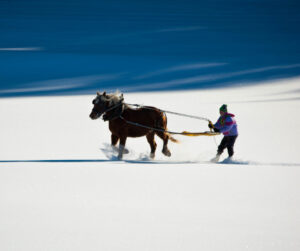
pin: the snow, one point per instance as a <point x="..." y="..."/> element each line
<point x="62" y="189"/>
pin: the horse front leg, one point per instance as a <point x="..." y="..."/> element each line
<point x="114" y="141"/>
<point x="121" y="147"/>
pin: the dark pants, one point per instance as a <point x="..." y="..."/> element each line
<point x="227" y="142"/>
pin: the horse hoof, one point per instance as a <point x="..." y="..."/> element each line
<point x="152" y="155"/>
<point x="125" y="151"/>
<point x="167" y="153"/>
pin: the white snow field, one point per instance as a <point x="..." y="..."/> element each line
<point x="62" y="189"/>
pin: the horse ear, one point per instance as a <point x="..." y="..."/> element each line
<point x="104" y="94"/>
<point x="98" y="94"/>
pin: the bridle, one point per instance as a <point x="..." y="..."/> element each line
<point x="111" y="108"/>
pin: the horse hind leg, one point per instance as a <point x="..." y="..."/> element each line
<point x="165" y="137"/>
<point x="162" y="124"/>
<point x="152" y="143"/>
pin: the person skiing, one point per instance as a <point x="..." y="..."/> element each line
<point x="226" y="124"/>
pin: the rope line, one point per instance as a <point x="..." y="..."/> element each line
<point x="185" y="133"/>
<point x="175" y="113"/>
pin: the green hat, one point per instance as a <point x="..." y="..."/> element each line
<point x="223" y="108"/>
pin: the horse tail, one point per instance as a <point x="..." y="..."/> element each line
<point x="165" y="122"/>
<point x="173" y="139"/>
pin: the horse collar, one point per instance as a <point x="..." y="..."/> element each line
<point x="116" y="113"/>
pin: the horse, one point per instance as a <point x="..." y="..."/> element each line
<point x="125" y="122"/>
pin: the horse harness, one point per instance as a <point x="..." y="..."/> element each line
<point x="118" y="114"/>
<point x="115" y="114"/>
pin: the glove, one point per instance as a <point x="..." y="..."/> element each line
<point x="211" y="126"/>
<point x="216" y="130"/>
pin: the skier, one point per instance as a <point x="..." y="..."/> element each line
<point x="226" y="124"/>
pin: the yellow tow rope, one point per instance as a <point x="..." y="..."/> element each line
<point x="210" y="133"/>
<point x="185" y="133"/>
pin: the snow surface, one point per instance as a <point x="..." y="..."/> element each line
<point x="62" y="189"/>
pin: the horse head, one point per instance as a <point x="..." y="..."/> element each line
<point x="103" y="103"/>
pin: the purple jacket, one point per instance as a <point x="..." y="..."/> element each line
<point x="227" y="125"/>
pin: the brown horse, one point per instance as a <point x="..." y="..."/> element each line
<point x="127" y="122"/>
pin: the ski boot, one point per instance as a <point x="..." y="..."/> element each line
<point x="216" y="159"/>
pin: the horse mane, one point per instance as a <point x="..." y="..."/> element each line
<point x="115" y="97"/>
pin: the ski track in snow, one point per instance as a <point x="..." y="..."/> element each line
<point x="143" y="158"/>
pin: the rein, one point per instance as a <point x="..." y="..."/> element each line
<point x="118" y="114"/>
<point x="185" y="133"/>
